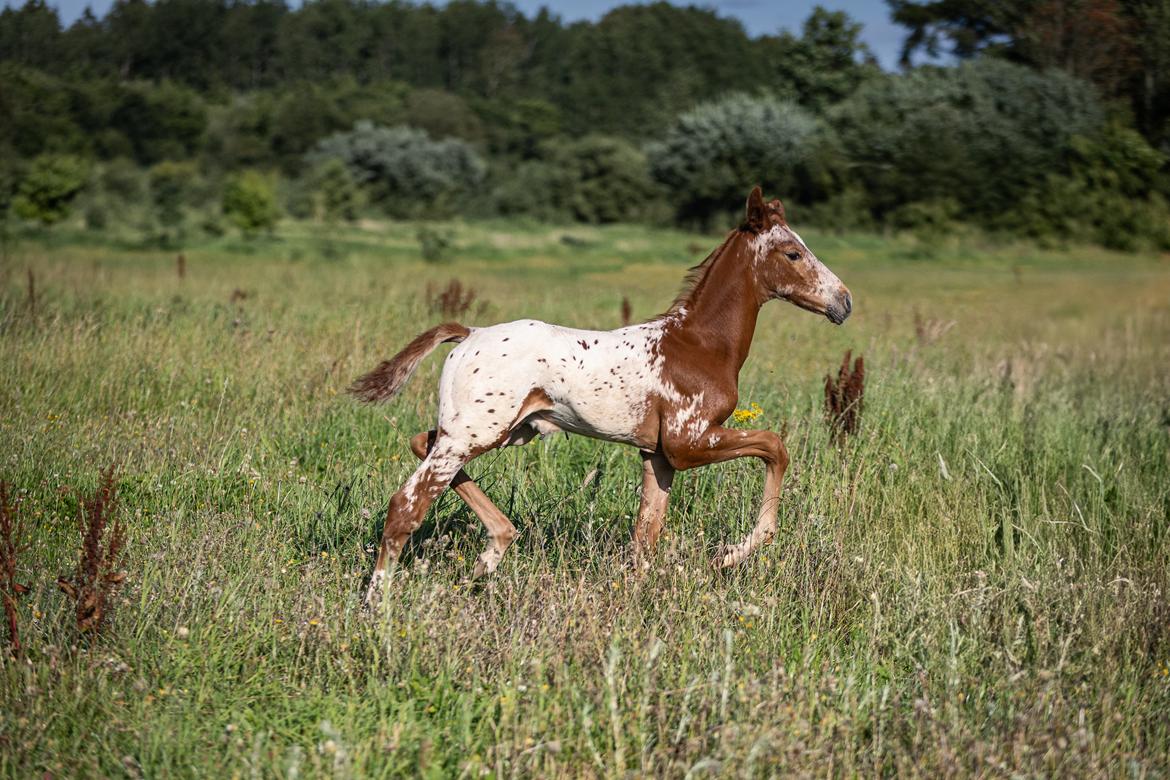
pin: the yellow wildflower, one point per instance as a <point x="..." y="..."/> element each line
<point x="747" y="415"/>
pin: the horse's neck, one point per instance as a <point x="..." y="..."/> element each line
<point x="719" y="317"/>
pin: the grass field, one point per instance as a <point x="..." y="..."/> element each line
<point x="976" y="585"/>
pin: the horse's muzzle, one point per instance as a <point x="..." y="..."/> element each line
<point x="839" y="310"/>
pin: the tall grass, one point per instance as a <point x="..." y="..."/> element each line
<point x="977" y="585"/>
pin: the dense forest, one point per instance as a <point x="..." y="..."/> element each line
<point x="185" y="115"/>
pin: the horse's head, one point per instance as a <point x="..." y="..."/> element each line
<point x="786" y="268"/>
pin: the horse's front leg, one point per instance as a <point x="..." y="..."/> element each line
<point x="657" y="477"/>
<point x="718" y="444"/>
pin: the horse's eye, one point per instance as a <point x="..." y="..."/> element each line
<point x="793" y="256"/>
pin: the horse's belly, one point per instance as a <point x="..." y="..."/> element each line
<point x="609" y="413"/>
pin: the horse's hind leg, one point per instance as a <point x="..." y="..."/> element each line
<point x="501" y="532"/>
<point x="657" y="477"/>
<point x="409" y="505"/>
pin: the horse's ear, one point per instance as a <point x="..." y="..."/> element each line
<point x="778" y="209"/>
<point x="757" y="212"/>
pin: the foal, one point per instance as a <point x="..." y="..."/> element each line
<point x="665" y="386"/>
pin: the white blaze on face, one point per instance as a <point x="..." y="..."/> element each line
<point x="764" y="243"/>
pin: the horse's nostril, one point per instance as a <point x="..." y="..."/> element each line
<point x="848" y="302"/>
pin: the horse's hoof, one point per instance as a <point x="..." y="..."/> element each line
<point x="725" y="557"/>
<point x="486" y="563"/>
<point x="374" y="591"/>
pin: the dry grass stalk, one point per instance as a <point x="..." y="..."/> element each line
<point x="627" y="311"/>
<point x="97" y="575"/>
<point x="929" y="330"/>
<point x="181" y="266"/>
<point x="844" y="398"/>
<point x="11" y="532"/>
<point x="452" y="301"/>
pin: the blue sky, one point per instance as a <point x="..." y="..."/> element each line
<point x="758" y="16"/>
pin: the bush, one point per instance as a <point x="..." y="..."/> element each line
<point x="249" y="202"/>
<point x="845" y="210"/>
<point x="49" y="188"/>
<point x="96" y="217"/>
<point x="405" y="171"/>
<point x="985" y="132"/>
<point x="432" y="244"/>
<point x="330" y="193"/>
<point x="531" y="189"/>
<point x="596" y="179"/>
<point x="711" y="156"/>
<point x="1112" y="195"/>
<point x="122" y="180"/>
<point x="171" y="184"/>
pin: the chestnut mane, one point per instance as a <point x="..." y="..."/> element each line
<point x="697" y="275"/>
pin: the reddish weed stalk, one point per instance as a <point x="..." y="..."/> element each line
<point x="844" y="398"/>
<point x="453" y="300"/>
<point x="627" y="311"/>
<point x="11" y="531"/>
<point x="32" y="293"/>
<point x="97" y="576"/>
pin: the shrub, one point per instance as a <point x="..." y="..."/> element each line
<point x="595" y="179"/>
<point x="605" y="179"/>
<point x="531" y="189"/>
<point x="432" y="244"/>
<point x="332" y="193"/>
<point x="96" y="217"/>
<point x="249" y="202"/>
<point x="405" y="171"/>
<point x="121" y="179"/>
<point x="171" y="184"/>
<point x="1112" y="195"/>
<point x="49" y="188"/>
<point x="711" y="155"/>
<point x="984" y="132"/>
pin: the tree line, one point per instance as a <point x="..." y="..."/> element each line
<point x="655" y="112"/>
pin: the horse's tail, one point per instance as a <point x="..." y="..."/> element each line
<point x="384" y="382"/>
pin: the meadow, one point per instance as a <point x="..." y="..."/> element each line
<point x="976" y="584"/>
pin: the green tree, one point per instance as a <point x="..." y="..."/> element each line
<point x="162" y="121"/>
<point x="710" y="156"/>
<point x="826" y="63"/>
<point x="49" y="188"/>
<point x="249" y="201"/>
<point x="985" y="133"/>
<point x="29" y="35"/>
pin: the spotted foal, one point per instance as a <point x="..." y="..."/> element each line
<point x="665" y="386"/>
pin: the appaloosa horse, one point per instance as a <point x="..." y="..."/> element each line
<point x="665" y="386"/>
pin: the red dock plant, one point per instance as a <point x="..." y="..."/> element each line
<point x="102" y="539"/>
<point x="627" y="312"/>
<point x="10" y="549"/>
<point x="452" y="301"/>
<point x="844" y="398"/>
